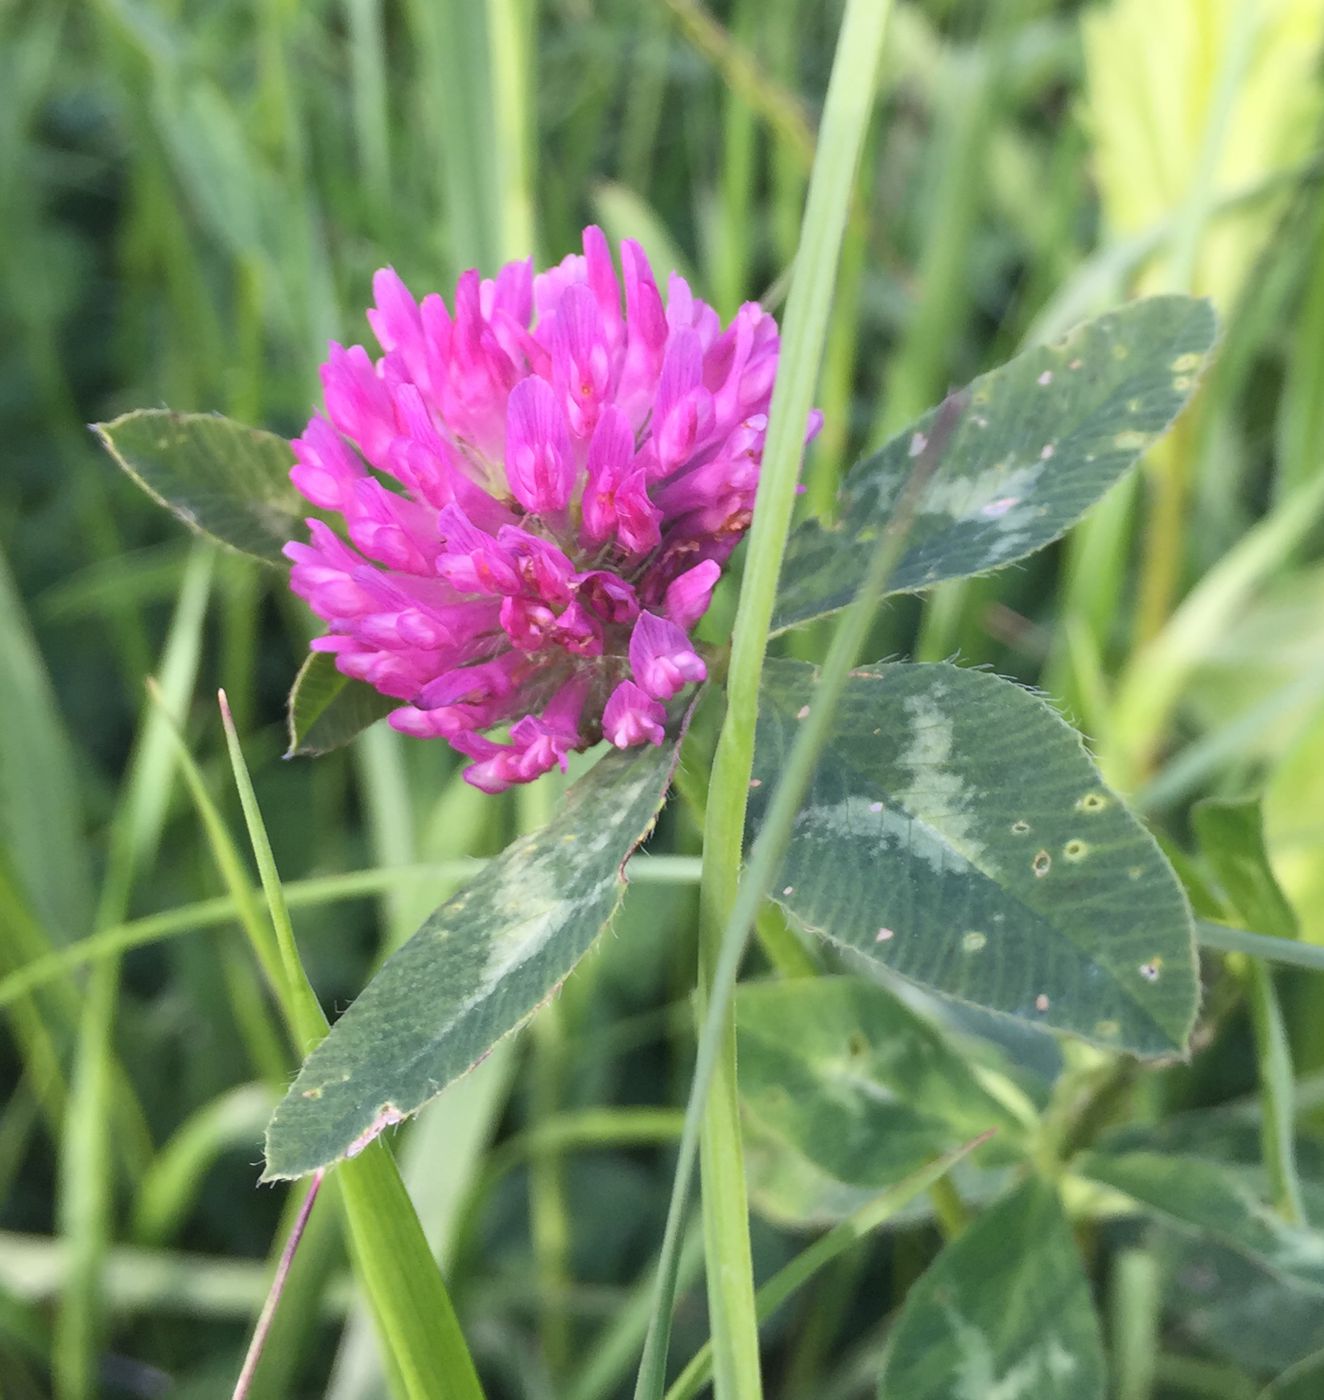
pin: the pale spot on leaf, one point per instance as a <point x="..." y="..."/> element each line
<point x="938" y="792"/>
<point x="996" y="509"/>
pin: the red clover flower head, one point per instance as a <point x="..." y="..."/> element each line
<point x="539" y="491"/>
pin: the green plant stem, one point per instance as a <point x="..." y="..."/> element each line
<point x="1273" y="1057"/>
<point x="419" y="1330"/>
<point x="549" y="1212"/>
<point x="745" y="79"/>
<point x="1134" y="1299"/>
<point x="770" y="845"/>
<point x="1172" y="464"/>
<point x="86" y="1174"/>
<point x="612" y="1352"/>
<point x="299" y="894"/>
<point x="1288" y="951"/>
<point x="856" y="1226"/>
<point x="510" y="40"/>
<point x="726" y="1215"/>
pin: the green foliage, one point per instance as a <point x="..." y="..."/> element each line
<point x="392" y="1260"/>
<point x="844" y="1090"/>
<point x="40" y="805"/>
<point x="193" y="201"/>
<point x="1217" y="1201"/>
<point x="327" y="710"/>
<point x="1303" y="1382"/>
<point x="1005" y="1310"/>
<point x="477" y="969"/>
<point x="226" y="481"/>
<point x="1039" y="441"/>
<point x="1231" y="835"/>
<point x="957" y="833"/>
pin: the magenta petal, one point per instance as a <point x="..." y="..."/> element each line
<point x="610" y="452"/>
<point x="581" y="360"/>
<point x="325" y="469"/>
<point x="607" y="596"/>
<point x="484" y="685"/>
<point x="661" y="657"/>
<point x="688" y="596"/>
<point x="358" y="402"/>
<point x="631" y="718"/>
<point x="539" y="463"/>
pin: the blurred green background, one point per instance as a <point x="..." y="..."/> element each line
<point x="194" y="196"/>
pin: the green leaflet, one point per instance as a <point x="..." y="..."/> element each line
<point x="844" y="1090"/>
<point x="1305" y="1381"/>
<point x="1234" y="1308"/>
<point x="477" y="969"/>
<point x="226" y="481"/>
<point x="1004" y="1311"/>
<point x="326" y="710"/>
<point x="1225" y="1290"/>
<point x="1216" y="1200"/>
<point x="957" y="832"/>
<point x="1042" y="439"/>
<point x="1231" y="836"/>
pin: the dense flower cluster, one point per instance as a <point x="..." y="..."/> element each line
<point x="560" y="485"/>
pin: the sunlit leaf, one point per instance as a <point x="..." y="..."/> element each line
<point x="1004" y="1311"/>
<point x="227" y="481"/>
<point x="1041" y="439"/>
<point x="956" y="831"/>
<point x="476" y="970"/>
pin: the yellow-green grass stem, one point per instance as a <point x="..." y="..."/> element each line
<point x="725" y="1207"/>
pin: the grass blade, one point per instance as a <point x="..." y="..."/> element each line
<point x="793" y="1276"/>
<point x="730" y="1282"/>
<point x="415" y="1317"/>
